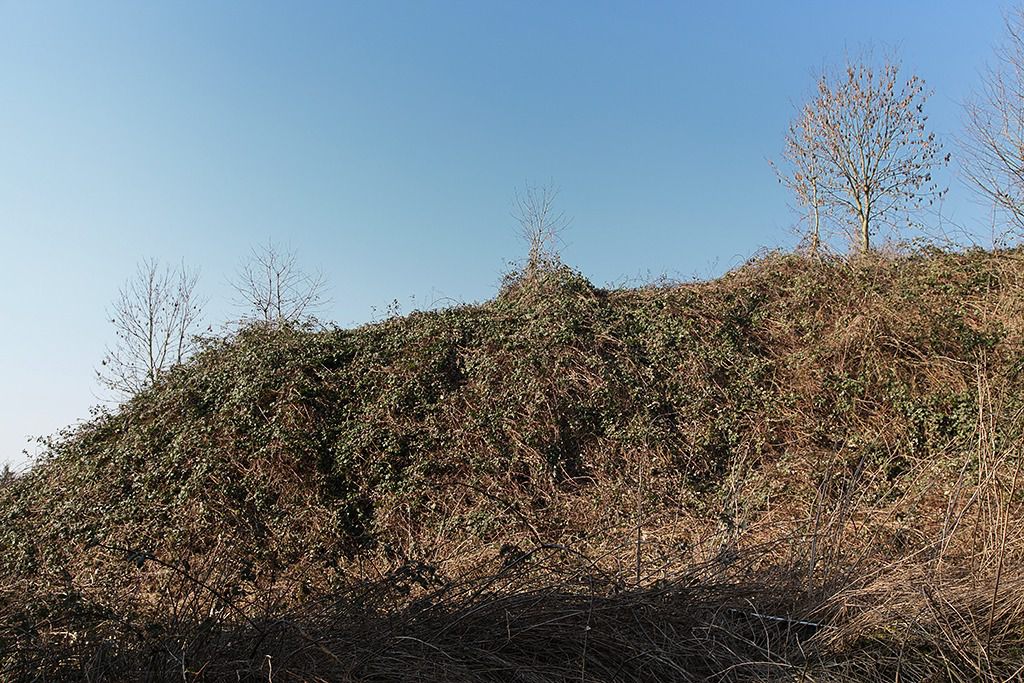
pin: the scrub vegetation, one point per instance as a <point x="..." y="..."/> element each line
<point x="808" y="469"/>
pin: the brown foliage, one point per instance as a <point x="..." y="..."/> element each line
<point x="806" y="468"/>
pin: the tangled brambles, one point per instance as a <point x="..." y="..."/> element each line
<point x="806" y="470"/>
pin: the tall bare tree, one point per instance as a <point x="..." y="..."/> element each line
<point x="156" y="317"/>
<point x="860" y="151"/>
<point x="993" y="148"/>
<point x="540" y="223"/>
<point x="275" y="290"/>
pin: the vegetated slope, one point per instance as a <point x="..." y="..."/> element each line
<point x="832" y="441"/>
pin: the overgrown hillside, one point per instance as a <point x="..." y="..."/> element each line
<point x="803" y="469"/>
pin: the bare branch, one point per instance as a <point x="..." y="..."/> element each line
<point x="274" y="290"/>
<point x="540" y="224"/>
<point x="993" y="160"/>
<point x="155" y="319"/>
<point x="859" y="153"/>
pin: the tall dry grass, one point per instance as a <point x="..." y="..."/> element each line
<point x="818" y="515"/>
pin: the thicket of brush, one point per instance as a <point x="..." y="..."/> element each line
<point x="805" y="470"/>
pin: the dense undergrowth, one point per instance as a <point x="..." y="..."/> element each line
<point x="804" y="470"/>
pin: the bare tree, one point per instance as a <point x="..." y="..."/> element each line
<point x="863" y="154"/>
<point x="803" y="171"/>
<point x="274" y="290"/>
<point x="155" y="318"/>
<point x="993" y="147"/>
<point x="540" y="224"/>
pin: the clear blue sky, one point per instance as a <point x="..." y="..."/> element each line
<point x="383" y="141"/>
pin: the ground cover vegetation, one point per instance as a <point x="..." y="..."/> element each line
<point x="805" y="469"/>
<point x="808" y="469"/>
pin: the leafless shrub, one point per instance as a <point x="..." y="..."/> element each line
<point x="540" y="224"/>
<point x="274" y="290"/>
<point x="155" y="318"/>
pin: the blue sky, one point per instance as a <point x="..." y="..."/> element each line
<point x="384" y="140"/>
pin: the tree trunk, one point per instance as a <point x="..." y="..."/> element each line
<point x="815" y="221"/>
<point x="815" y="239"/>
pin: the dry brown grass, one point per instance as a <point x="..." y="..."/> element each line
<point x="806" y="471"/>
